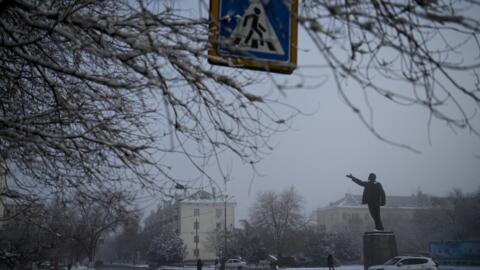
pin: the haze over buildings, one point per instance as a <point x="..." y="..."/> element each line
<point x="330" y="141"/>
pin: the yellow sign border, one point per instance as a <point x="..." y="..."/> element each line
<point x="235" y="61"/>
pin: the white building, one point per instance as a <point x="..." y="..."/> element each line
<point x="201" y="219"/>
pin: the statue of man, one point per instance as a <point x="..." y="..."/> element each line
<point x="373" y="196"/>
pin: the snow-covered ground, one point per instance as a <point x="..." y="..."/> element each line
<point x="81" y="267"/>
<point x="345" y="267"/>
<point x="360" y="267"/>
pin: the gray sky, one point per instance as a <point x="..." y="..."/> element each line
<point x="316" y="154"/>
<point x="324" y="147"/>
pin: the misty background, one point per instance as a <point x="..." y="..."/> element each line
<point x="328" y="141"/>
<point x="130" y="129"/>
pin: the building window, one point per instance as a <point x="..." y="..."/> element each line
<point x="196" y="212"/>
<point x="219" y="213"/>
<point x="196" y="225"/>
<point x="219" y="225"/>
<point x="196" y="239"/>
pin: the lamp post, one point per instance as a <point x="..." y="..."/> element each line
<point x="225" y="233"/>
<point x="224" y="257"/>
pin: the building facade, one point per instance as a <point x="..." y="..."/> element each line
<point x="403" y="215"/>
<point x="349" y="214"/>
<point x="200" y="220"/>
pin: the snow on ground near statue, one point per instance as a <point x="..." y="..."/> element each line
<point x="345" y="267"/>
<point x="360" y="267"/>
<point x="348" y="267"/>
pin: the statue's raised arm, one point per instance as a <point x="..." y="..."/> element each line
<point x="356" y="180"/>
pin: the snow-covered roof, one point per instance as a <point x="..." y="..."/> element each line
<point x="205" y="202"/>
<point x="204" y="197"/>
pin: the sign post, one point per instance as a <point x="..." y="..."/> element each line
<point x="254" y="34"/>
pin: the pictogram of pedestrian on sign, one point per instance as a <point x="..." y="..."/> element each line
<point x="254" y="27"/>
<point x="256" y="34"/>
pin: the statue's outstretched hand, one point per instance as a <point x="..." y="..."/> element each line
<point x="349" y="176"/>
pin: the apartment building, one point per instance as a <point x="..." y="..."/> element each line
<point x="200" y="219"/>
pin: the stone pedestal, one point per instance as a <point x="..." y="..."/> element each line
<point x="378" y="247"/>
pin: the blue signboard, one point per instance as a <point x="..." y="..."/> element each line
<point x="258" y="34"/>
<point x="465" y="252"/>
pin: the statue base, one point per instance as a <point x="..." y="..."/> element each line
<point x="378" y="247"/>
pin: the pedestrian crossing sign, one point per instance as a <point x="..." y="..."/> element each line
<point x="254" y="34"/>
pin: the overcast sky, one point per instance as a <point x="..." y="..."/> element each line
<point x="321" y="148"/>
<point x="315" y="156"/>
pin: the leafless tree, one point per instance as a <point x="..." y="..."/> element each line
<point x="278" y="216"/>
<point x="419" y="53"/>
<point x="130" y="244"/>
<point x="455" y="217"/>
<point x="87" y="222"/>
<point x="247" y="242"/>
<point x="98" y="94"/>
<point x="166" y="247"/>
<point x="23" y="240"/>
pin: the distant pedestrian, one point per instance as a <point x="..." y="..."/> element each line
<point x="330" y="262"/>
<point x="199" y="264"/>
<point x="216" y="263"/>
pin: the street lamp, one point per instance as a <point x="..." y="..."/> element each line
<point x="222" y="265"/>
